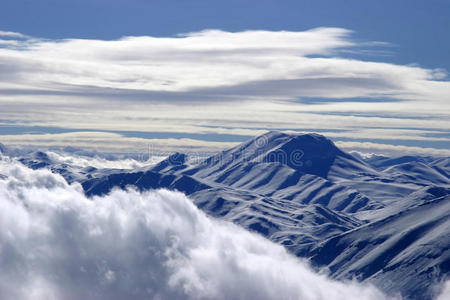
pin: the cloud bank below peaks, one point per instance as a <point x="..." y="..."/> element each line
<point x="56" y="244"/>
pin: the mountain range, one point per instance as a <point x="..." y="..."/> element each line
<point x="378" y="219"/>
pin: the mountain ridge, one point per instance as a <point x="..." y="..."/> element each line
<point x="303" y="192"/>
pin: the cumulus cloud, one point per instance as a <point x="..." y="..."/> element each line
<point x="445" y="292"/>
<point x="57" y="244"/>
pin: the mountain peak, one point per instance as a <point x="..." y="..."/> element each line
<point x="176" y="160"/>
<point x="275" y="134"/>
<point x="302" y="140"/>
<point x="42" y="156"/>
<point x="310" y="153"/>
<point x="36" y="160"/>
<point x="2" y="149"/>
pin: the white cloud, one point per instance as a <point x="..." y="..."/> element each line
<point x="394" y="150"/>
<point x="113" y="142"/>
<point x="197" y="60"/>
<point x="158" y="148"/>
<point x="445" y="293"/>
<point x="246" y="81"/>
<point x="101" y="162"/>
<point x="56" y="244"/>
<point x="11" y="34"/>
<point x="249" y="63"/>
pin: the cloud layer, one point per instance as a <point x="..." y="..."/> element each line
<point x="252" y="63"/>
<point x="216" y="81"/>
<point x="56" y="244"/>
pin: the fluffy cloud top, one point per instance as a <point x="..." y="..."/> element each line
<point x="445" y="291"/>
<point x="56" y="244"/>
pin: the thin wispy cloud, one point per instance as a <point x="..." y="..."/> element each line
<point x="11" y="34"/>
<point x="105" y="142"/>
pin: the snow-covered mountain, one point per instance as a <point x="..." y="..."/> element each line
<point x="382" y="220"/>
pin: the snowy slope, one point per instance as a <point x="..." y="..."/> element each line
<point x="407" y="251"/>
<point x="378" y="219"/>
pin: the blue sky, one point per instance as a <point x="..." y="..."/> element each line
<point x="371" y="75"/>
<point x="417" y="29"/>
